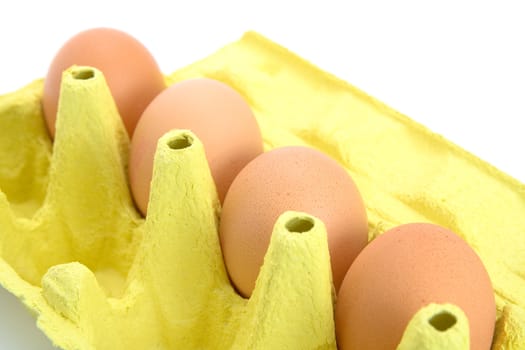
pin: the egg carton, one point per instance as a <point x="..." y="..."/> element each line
<point x="97" y="275"/>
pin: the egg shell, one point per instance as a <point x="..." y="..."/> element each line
<point x="215" y="112"/>
<point x="403" y="270"/>
<point x="290" y="178"/>
<point x="131" y="72"/>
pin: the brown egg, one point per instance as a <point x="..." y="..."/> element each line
<point x="131" y="72"/>
<point x="403" y="270"/>
<point x="289" y="178"/>
<point x="219" y="117"/>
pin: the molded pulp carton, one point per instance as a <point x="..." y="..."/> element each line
<point x="97" y="275"/>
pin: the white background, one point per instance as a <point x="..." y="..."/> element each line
<point x="457" y="67"/>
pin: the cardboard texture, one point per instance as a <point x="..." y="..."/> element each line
<point x="96" y="275"/>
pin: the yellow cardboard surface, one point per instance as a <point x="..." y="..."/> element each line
<point x="96" y="275"/>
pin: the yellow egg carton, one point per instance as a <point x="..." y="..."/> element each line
<point x="96" y="275"/>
